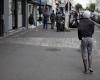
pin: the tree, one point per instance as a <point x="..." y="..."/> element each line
<point x="78" y="7"/>
<point x="97" y="1"/>
<point x="92" y="7"/>
<point x="87" y="8"/>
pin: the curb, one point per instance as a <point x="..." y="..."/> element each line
<point x="70" y="29"/>
<point x="11" y="32"/>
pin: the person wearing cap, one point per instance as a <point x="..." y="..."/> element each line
<point x="86" y="30"/>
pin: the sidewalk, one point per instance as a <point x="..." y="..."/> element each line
<point x="44" y="55"/>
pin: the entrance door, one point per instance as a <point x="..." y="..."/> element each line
<point x="1" y="17"/>
<point x="14" y="15"/>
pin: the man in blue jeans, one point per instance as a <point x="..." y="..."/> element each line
<point x="86" y="30"/>
<point x="45" y="17"/>
<point x="45" y="22"/>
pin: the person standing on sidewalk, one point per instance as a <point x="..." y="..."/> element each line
<point x="45" y="17"/>
<point x="86" y="30"/>
<point x="58" y="21"/>
<point x="31" y="19"/>
<point x="62" y="21"/>
<point x="52" y="18"/>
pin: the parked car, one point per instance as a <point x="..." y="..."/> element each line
<point x="95" y="17"/>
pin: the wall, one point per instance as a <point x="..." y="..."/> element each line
<point x="6" y="15"/>
<point x="8" y="18"/>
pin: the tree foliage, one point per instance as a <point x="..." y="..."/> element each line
<point x="78" y="7"/>
<point x="92" y="7"/>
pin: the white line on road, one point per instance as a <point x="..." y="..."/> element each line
<point x="48" y="42"/>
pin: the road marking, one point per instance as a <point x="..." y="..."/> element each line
<point x="48" y="42"/>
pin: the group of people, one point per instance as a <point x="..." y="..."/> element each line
<point x="58" y="18"/>
<point x="85" y="33"/>
<point x="60" y="21"/>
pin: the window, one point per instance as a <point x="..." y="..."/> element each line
<point x="11" y="7"/>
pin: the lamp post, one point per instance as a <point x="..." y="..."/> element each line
<point x="67" y="11"/>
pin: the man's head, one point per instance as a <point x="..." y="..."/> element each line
<point x="86" y="14"/>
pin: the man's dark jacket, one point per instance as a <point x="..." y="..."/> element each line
<point x="85" y="28"/>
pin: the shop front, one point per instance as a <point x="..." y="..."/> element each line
<point x="14" y="14"/>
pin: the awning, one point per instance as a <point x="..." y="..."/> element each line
<point x="33" y="2"/>
<point x="37" y="2"/>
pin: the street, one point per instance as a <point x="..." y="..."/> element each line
<point x="46" y="55"/>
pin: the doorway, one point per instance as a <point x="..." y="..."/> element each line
<point x="14" y="14"/>
<point x="1" y="17"/>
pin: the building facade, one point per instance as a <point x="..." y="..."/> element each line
<point x="35" y="7"/>
<point x="13" y="15"/>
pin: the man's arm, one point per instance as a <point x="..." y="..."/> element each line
<point x="92" y="28"/>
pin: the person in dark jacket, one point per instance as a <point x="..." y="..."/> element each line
<point x="58" y="21"/>
<point x="52" y="18"/>
<point x="31" y="19"/>
<point x="86" y="30"/>
<point x="62" y="22"/>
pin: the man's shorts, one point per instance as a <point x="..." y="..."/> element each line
<point x="87" y="45"/>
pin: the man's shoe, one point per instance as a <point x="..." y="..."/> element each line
<point x="91" y="71"/>
<point x="85" y="72"/>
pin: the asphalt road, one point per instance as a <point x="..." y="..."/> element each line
<point x="46" y="55"/>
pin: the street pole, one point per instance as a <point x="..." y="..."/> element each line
<point x="67" y="16"/>
<point x="68" y="12"/>
<point x="40" y="11"/>
<point x="26" y="13"/>
<point x="52" y="5"/>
